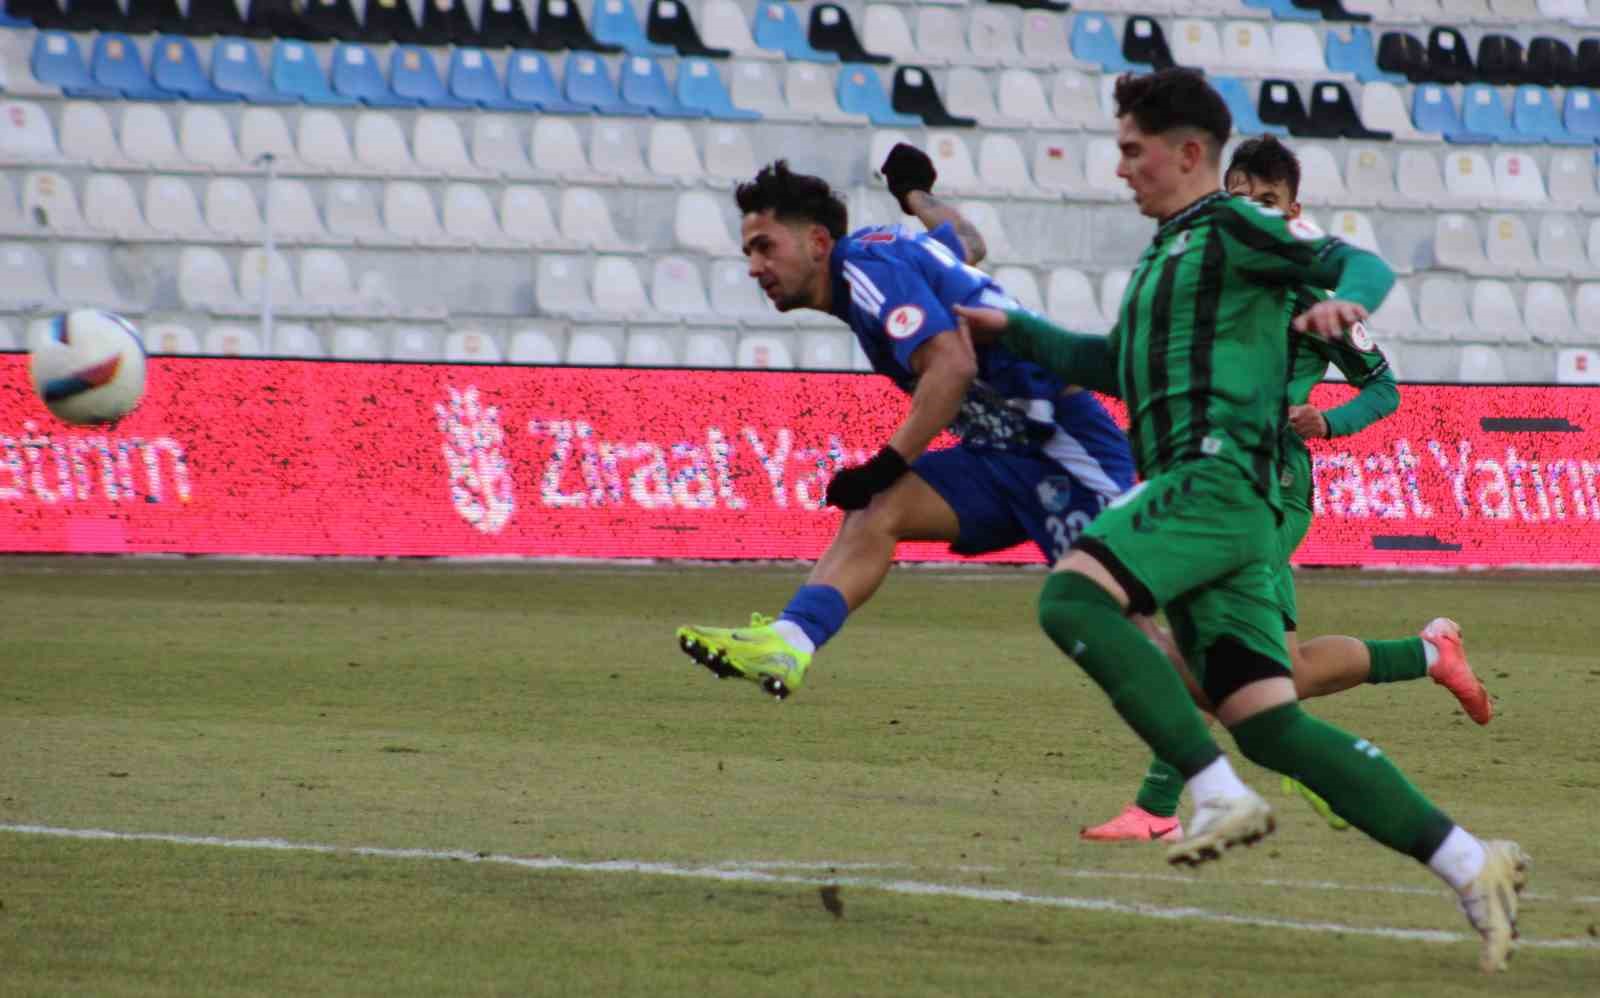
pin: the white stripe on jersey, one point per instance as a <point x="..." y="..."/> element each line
<point x="1065" y="450"/>
<point x="862" y="289"/>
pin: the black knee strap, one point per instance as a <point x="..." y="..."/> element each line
<point x="1230" y="666"/>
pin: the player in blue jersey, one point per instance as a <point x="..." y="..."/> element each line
<point x="1037" y="458"/>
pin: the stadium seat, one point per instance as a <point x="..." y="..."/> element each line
<point x="1587" y="318"/>
<point x="729" y="157"/>
<point x="560" y="287"/>
<point x="263" y="132"/>
<point x="672" y="153"/>
<point x="1561" y="248"/>
<point x="1580" y="115"/>
<point x="447" y="22"/>
<point x="698" y="224"/>
<point x="117" y="66"/>
<point x="1355" y="55"/>
<point x="1020" y="284"/>
<point x="535" y="345"/>
<point x="1419" y="181"/>
<point x="1578" y="367"/>
<point x="212" y="17"/>
<point x="236" y="69"/>
<point x="1434" y="110"/>
<point x="1095" y="40"/>
<point x="1547" y="313"/>
<point x="992" y="37"/>
<point x="392" y="20"/>
<point x="1355" y="228"/>
<point x="725" y="27"/>
<point x="1572" y="179"/>
<point x="810" y="90"/>
<point x="25" y="134"/>
<point x="1076" y="100"/>
<point x="1100" y="171"/>
<point x="1396" y="315"/>
<point x="1509" y="248"/>
<point x="676" y="290"/>
<point x="1517" y="180"/>
<point x="171" y="338"/>
<point x="1056" y="169"/>
<point x="763" y="351"/>
<point x="860" y="92"/>
<point x="778" y="29"/>
<point x="1536" y="119"/>
<point x="1495" y="313"/>
<point x="380" y="146"/>
<point x="526" y="219"/>
<point x="558" y="152"/>
<point x="110" y="208"/>
<point x="469" y="218"/>
<point x="708" y="348"/>
<point x="531" y="85"/>
<point x="232" y="211"/>
<point x="825" y="351"/>
<point x="24" y="282"/>
<point x="205" y="139"/>
<point x="1469" y="179"/>
<point x="595" y="346"/>
<point x="232" y="341"/>
<point x="1069" y="293"/>
<point x="175" y="68"/>
<point x="615" y="22"/>
<point x="440" y="149"/>
<point x="87" y="137"/>
<point x="885" y="29"/>
<point x="355" y="73"/>
<point x="756" y="87"/>
<point x="172" y="211"/>
<point x="644" y="85"/>
<point x="408" y="212"/>
<point x="734" y="295"/>
<point x="414" y="77"/>
<point x="1442" y="310"/>
<point x="352" y="213"/>
<point x="914" y="92"/>
<point x="941" y="37"/>
<point x="1241" y="105"/>
<point x="969" y="96"/>
<point x="498" y="149"/>
<point x="700" y="88"/>
<point x="1195" y="42"/>
<point x="1456" y="245"/>
<point x="323" y="144"/>
<point x="1384" y="109"/>
<point x="205" y="282"/>
<point x="1481" y="365"/>
<point x="586" y="221"/>
<point x="325" y="282"/>
<point x="1003" y="168"/>
<point x="618" y="291"/>
<point x="471" y="346"/>
<point x="58" y="61"/>
<point x="1369" y="179"/>
<point x="474" y="81"/>
<point x="1320" y="182"/>
<point x="254" y="273"/>
<point x="415" y="343"/>
<point x="294" y="340"/>
<point x="669" y="23"/>
<point x="589" y="83"/>
<point x="614" y="152"/>
<point x="1046" y="42"/>
<point x="1483" y="113"/>
<point x="294" y="216"/>
<point x="1020" y="97"/>
<point x="996" y="236"/>
<point x="51" y="204"/>
<point x="953" y="160"/>
<point x="147" y="138"/>
<point x="559" y="25"/>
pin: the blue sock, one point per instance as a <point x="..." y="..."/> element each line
<point x="817" y="610"/>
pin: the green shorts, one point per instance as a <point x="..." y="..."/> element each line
<point x="1200" y="542"/>
<point x="1296" y="481"/>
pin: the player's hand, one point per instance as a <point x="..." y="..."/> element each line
<point x="982" y="325"/>
<point x="907" y="169"/>
<point x="1308" y="421"/>
<point x="1329" y="319"/>
<point x="854" y="487"/>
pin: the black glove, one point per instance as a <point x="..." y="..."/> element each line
<point x="908" y="169"/>
<point x="854" y="487"/>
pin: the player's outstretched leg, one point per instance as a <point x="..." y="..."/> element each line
<point x="771" y="653"/>
<point x="1490" y="902"/>
<point x="1450" y="669"/>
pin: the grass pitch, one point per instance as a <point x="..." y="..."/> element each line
<point x="906" y="824"/>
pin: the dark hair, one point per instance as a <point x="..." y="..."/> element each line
<point x="793" y="197"/>
<point x="1174" y="98"/>
<point x="1265" y="158"/>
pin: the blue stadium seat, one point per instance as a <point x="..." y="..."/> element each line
<point x="644" y="84"/>
<point x="589" y="84"/>
<point x="531" y="83"/>
<point x="616" y="23"/>
<point x="356" y="73"/>
<point x="1534" y="116"/>
<point x="1581" y="114"/>
<point x="778" y="28"/>
<point x="9" y="20"/>
<point x="117" y="64"/>
<point x="175" y="67"/>
<point x="700" y="86"/>
<point x="1357" y="56"/>
<point x="414" y="77"/>
<point x="860" y="91"/>
<point x="474" y="80"/>
<point x="58" y="61"/>
<point x="296" y="73"/>
<point x="1095" y="40"/>
<point x="1284" y="10"/>
<point x="1483" y="112"/>
<point x="235" y="69"/>
<point x="1434" y="110"/>
<point x="1246" y="120"/>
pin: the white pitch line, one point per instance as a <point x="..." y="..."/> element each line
<point x="747" y="875"/>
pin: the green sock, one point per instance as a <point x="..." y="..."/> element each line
<point x="1351" y="774"/>
<point x="1396" y="661"/>
<point x="1160" y="790"/>
<point x="1086" y="623"/>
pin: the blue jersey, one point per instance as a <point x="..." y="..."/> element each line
<point x="896" y="290"/>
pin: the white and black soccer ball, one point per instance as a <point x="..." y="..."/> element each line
<point x="90" y="368"/>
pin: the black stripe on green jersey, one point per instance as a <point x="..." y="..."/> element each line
<point x="1130" y="377"/>
<point x="1208" y="300"/>
<point x="1298" y="252"/>
<point x="1156" y="356"/>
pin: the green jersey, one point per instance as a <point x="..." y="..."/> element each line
<point x="1360" y="361"/>
<point x="1199" y="343"/>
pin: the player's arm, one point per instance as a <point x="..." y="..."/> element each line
<point x="1079" y="358"/>
<point x="932" y="213"/>
<point x="1360" y="281"/>
<point x="1379" y="395"/>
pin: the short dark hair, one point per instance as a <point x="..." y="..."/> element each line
<point x="1265" y="158"/>
<point x="793" y="197"/>
<point x="1174" y="98"/>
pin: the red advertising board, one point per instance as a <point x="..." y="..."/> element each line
<point x="237" y="456"/>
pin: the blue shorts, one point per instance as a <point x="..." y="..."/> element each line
<point x="1002" y="499"/>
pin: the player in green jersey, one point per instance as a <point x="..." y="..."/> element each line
<point x="1268" y="173"/>
<point x="1198" y="354"/>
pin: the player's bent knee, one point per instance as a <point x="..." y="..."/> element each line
<point x="1230" y="666"/>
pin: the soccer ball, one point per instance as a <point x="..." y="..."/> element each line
<point x="90" y="369"/>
